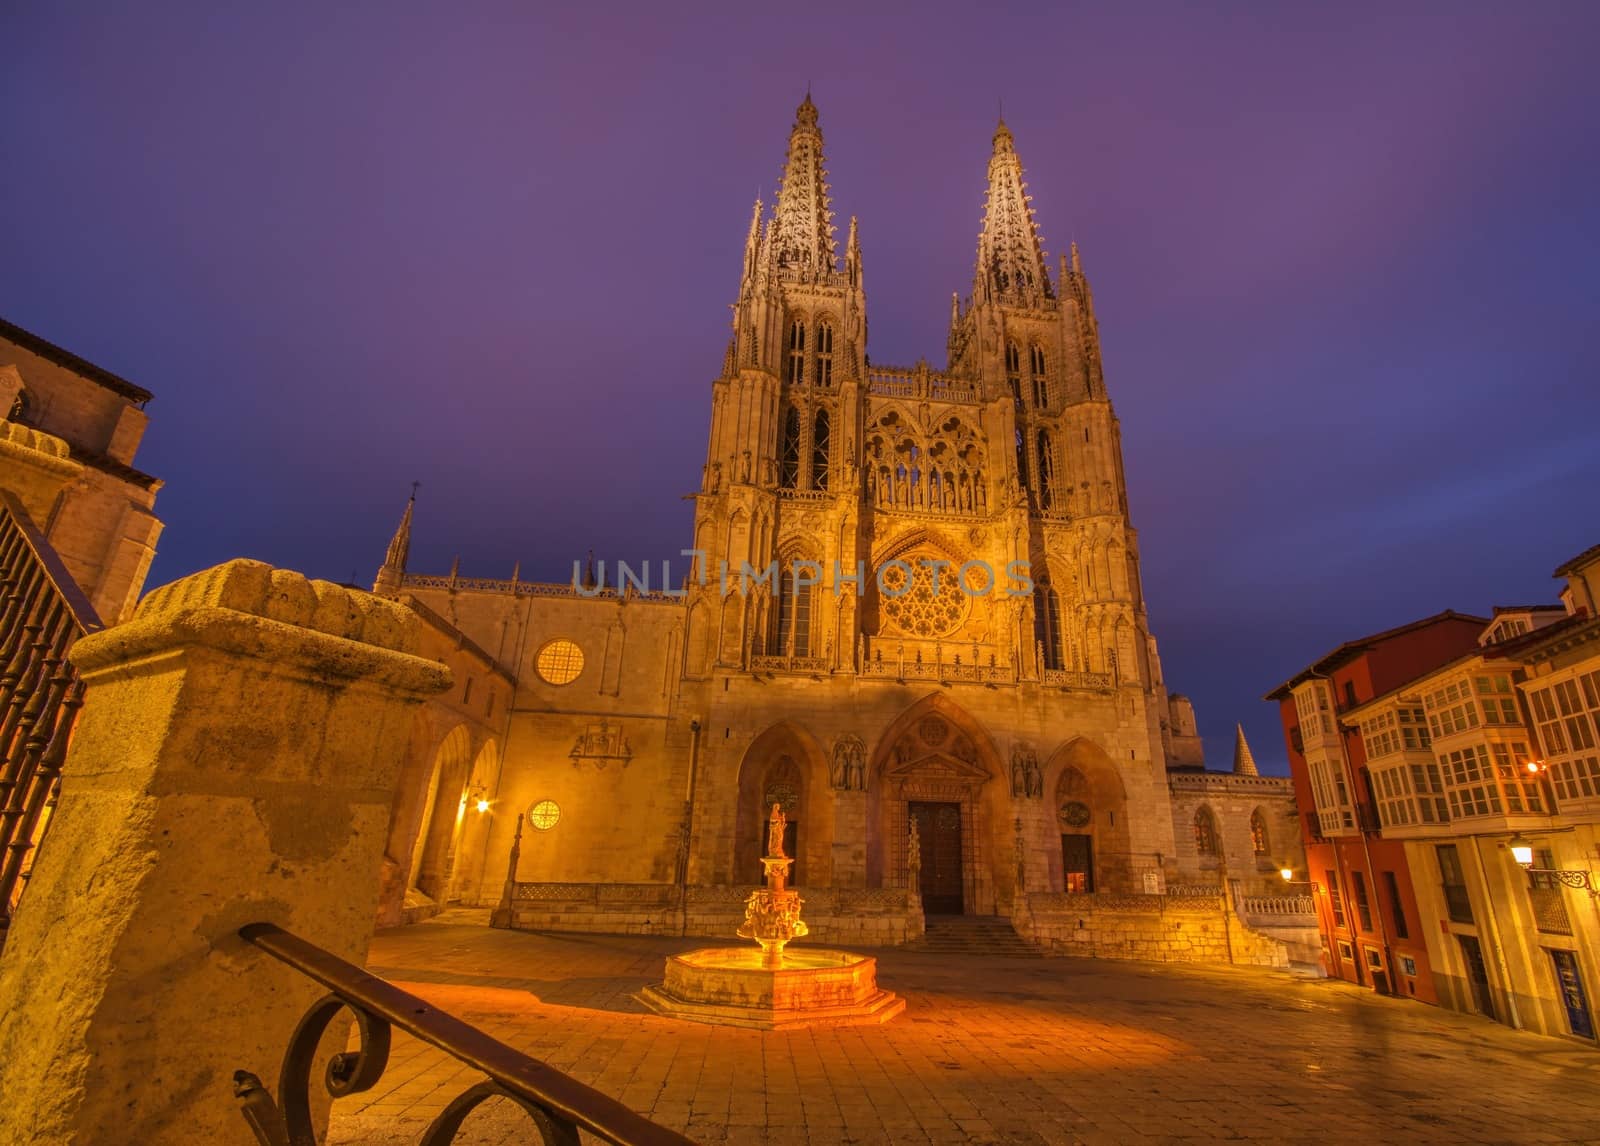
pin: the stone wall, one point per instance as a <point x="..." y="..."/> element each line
<point x="854" y="916"/>
<point x="1153" y="928"/>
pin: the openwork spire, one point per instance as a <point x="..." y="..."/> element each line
<point x="393" y="573"/>
<point x="1244" y="764"/>
<point x="1010" y="260"/>
<point x="804" y="234"/>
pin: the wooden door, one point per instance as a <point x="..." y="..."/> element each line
<point x="1477" y="975"/>
<point x="939" y="832"/>
<point x="1077" y="863"/>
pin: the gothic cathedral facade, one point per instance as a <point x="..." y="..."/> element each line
<point x="915" y="598"/>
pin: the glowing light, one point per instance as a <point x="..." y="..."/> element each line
<point x="483" y="805"/>
<point x="1287" y="873"/>
<point x="1521" y="851"/>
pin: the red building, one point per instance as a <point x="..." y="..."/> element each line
<point x="1366" y="910"/>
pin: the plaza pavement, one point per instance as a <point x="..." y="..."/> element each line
<point x="990" y="1050"/>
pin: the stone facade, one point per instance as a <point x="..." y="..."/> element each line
<point x="102" y="523"/>
<point x="912" y="593"/>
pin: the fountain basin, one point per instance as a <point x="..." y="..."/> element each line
<point x="812" y="987"/>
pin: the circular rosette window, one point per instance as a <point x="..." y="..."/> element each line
<point x="908" y="600"/>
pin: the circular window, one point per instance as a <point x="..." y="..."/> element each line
<point x="544" y="815"/>
<point x="911" y="604"/>
<point x="559" y="662"/>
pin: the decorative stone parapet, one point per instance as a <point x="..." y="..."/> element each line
<point x="878" y="917"/>
<point x="36" y="467"/>
<point x="234" y="762"/>
<point x="1189" y="928"/>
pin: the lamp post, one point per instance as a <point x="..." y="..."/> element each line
<point x="1522" y="852"/>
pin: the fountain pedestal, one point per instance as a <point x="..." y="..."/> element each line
<point x="770" y="988"/>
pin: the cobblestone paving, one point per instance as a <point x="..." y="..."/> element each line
<point x="990" y="1050"/>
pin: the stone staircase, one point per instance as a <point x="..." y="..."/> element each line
<point x="985" y="935"/>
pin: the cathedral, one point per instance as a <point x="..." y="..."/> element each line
<point x="911" y="616"/>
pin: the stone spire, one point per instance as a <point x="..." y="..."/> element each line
<point x="752" y="246"/>
<point x="804" y="234"/>
<point x="1244" y="764"/>
<point x="392" y="575"/>
<point x="1011" y="264"/>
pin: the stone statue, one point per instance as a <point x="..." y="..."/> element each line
<point x="775" y="829"/>
<point x="1026" y="780"/>
<point x="914" y="856"/>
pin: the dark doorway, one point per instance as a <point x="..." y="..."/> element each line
<point x="1572" y="996"/>
<point x="939" y="832"/>
<point x="1477" y="975"/>
<point x="1077" y="863"/>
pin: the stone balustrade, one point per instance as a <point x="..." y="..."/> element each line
<point x="874" y="917"/>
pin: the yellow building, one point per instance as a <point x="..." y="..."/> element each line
<point x="1459" y="773"/>
<point x="913" y="595"/>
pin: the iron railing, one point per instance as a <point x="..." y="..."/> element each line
<point x="42" y="612"/>
<point x="558" y="1104"/>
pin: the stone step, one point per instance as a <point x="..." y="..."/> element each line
<point x="973" y="935"/>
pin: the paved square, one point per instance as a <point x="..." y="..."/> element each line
<point x="996" y="1050"/>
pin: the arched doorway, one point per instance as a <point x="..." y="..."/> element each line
<point x="1090" y="848"/>
<point x="936" y="765"/>
<point x="443" y="809"/>
<point x="785" y="766"/>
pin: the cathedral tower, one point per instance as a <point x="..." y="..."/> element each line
<point x="778" y="493"/>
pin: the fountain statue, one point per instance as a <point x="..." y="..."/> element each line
<point x="772" y="913"/>
<point x="773" y="989"/>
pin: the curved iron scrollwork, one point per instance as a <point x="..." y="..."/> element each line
<point x="556" y="1103"/>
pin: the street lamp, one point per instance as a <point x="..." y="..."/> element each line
<point x="1522" y="852"/>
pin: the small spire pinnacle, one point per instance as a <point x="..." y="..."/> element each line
<point x="1244" y="764"/>
<point x="589" y="579"/>
<point x="393" y="573"/>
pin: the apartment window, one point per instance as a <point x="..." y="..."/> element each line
<point x="1457" y="902"/>
<point x="1335" y="900"/>
<point x="1358" y="884"/>
<point x="1397" y="909"/>
<point x="1349" y="694"/>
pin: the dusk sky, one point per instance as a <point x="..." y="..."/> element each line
<point x="1344" y="262"/>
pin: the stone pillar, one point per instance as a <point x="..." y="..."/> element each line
<point x="234" y="762"/>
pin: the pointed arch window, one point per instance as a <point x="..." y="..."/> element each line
<point x="1014" y="371"/>
<point x="1041" y="391"/>
<point x="819" y="451"/>
<point x="796" y="371"/>
<point x="1259" y="842"/>
<point x="1022" y="460"/>
<point x="789" y="454"/>
<point x="1047" y="624"/>
<point x="1047" y="469"/>
<point x="794" y="615"/>
<point x="825" y="354"/>
<point x="1205" y="832"/>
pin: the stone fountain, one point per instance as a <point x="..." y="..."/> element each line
<point x="768" y="987"/>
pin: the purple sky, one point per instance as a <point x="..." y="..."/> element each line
<point x="1344" y="262"/>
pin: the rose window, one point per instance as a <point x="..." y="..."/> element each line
<point x="911" y="604"/>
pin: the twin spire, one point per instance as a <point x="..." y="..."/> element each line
<point x="1010" y="257"/>
<point x="802" y="232"/>
<point x="799" y="238"/>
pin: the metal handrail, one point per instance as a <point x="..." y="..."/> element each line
<point x="42" y="613"/>
<point x="559" y="1104"/>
